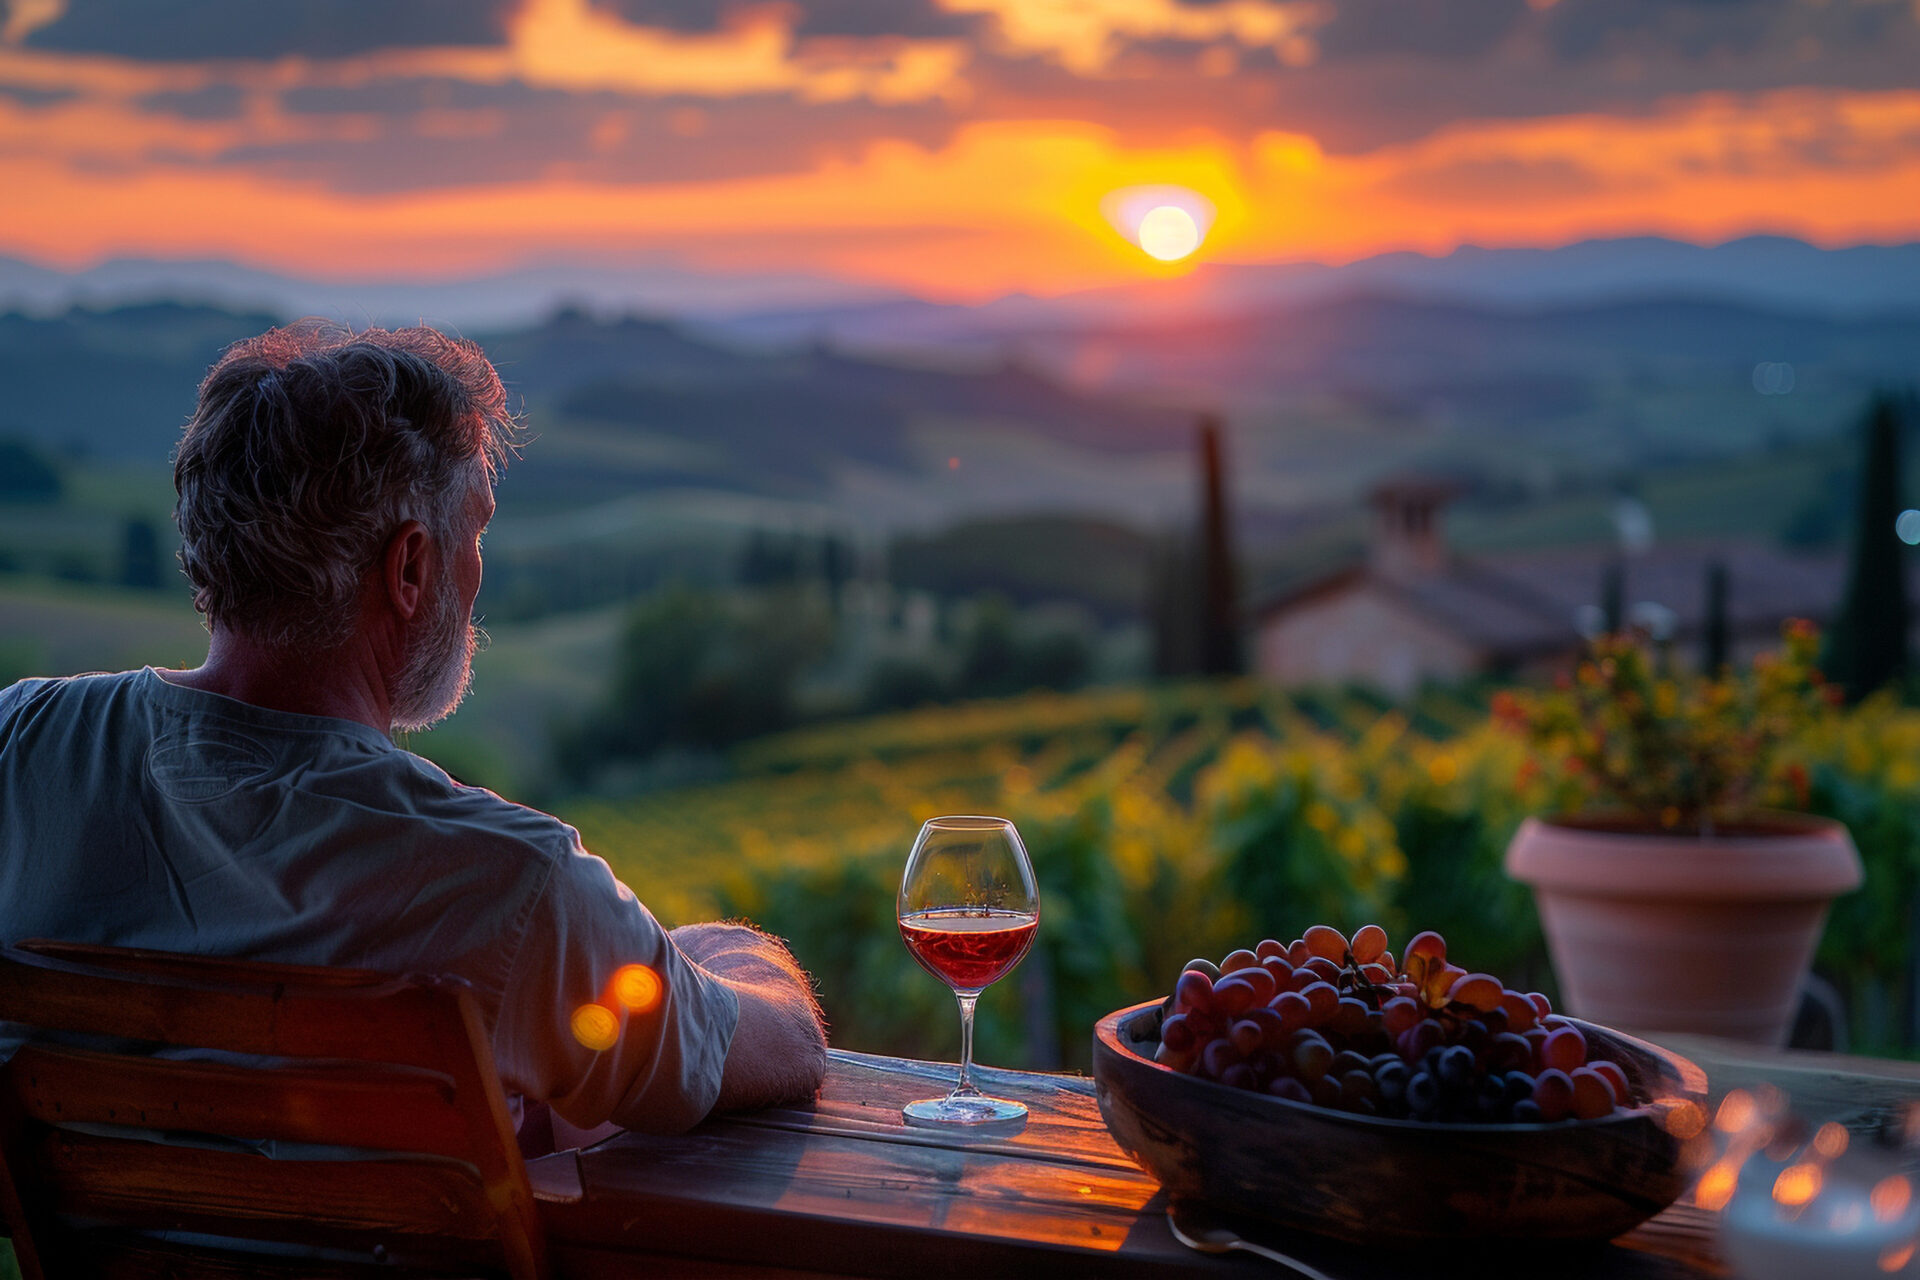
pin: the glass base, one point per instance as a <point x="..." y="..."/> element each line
<point x="966" y="1109"/>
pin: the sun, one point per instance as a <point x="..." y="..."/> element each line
<point x="1168" y="233"/>
<point x="1167" y="223"/>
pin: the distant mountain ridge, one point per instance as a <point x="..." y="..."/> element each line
<point x="1768" y="271"/>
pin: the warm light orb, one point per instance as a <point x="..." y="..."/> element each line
<point x="637" y="987"/>
<point x="596" y="1027"/>
<point x="1168" y="233"/>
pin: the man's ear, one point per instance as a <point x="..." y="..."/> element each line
<point x="406" y="567"/>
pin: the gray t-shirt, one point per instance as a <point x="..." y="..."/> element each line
<point x="139" y="813"/>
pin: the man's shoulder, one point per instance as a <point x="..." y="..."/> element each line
<point x="439" y="796"/>
<point x="40" y="689"/>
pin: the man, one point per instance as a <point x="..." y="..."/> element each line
<point x="332" y="492"/>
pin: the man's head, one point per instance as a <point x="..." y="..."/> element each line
<point x="319" y="458"/>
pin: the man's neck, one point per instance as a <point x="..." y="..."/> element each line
<point x="345" y="683"/>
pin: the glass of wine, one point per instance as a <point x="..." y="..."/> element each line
<point x="968" y="911"/>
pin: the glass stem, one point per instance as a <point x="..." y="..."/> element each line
<point x="967" y="1001"/>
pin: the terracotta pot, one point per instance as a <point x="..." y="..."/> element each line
<point x="1654" y="931"/>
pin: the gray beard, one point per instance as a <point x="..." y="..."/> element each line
<point x="437" y="671"/>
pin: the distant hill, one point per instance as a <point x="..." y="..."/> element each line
<point x="1769" y="271"/>
<point x="116" y="383"/>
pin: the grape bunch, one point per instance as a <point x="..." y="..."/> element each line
<point x="1337" y="1022"/>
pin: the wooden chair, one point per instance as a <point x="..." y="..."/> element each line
<point x="397" y="1068"/>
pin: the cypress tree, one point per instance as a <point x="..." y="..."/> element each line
<point x="1220" y="626"/>
<point x="1613" y="596"/>
<point x="1867" y="644"/>
<point x="1714" y="629"/>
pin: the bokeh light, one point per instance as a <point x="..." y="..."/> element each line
<point x="637" y="987"/>
<point x="1773" y="378"/>
<point x="1907" y="526"/>
<point x="596" y="1027"/>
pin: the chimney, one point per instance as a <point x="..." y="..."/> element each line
<point x="1407" y="542"/>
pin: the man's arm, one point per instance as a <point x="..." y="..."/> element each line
<point x="779" y="1048"/>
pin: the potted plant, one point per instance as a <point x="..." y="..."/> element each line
<point x="1677" y="891"/>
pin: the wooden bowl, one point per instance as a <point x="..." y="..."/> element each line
<point x="1376" y="1180"/>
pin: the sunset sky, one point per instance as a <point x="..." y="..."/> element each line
<point x="959" y="149"/>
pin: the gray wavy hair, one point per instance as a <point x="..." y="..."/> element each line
<point x="309" y="446"/>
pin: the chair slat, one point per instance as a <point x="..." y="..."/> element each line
<point x="120" y="1256"/>
<point x="138" y="960"/>
<point x="396" y="1022"/>
<point x="399" y="1065"/>
<point x="157" y="1186"/>
<point x="363" y="1105"/>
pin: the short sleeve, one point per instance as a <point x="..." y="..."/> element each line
<point x="661" y="1072"/>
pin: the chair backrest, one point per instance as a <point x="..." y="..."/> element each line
<point x="395" y="1068"/>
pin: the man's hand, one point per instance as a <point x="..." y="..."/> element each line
<point x="779" y="1048"/>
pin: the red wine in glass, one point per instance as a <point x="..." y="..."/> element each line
<point x="969" y="950"/>
<point x="968" y="911"/>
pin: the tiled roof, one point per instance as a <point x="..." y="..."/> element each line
<point x="1525" y="603"/>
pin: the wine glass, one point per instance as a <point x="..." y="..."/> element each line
<point x="968" y="911"/>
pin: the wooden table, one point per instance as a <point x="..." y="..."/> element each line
<point x="844" y="1187"/>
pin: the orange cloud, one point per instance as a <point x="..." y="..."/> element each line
<point x="1017" y="204"/>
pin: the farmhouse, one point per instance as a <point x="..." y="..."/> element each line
<point x="1418" y="611"/>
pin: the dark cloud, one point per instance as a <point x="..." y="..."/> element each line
<point x="192" y="29"/>
<point x="519" y="132"/>
<point x="1432" y="28"/>
<point x="920" y="18"/>
<point x="1691" y="28"/>
<point x="33" y="96"/>
<point x="211" y="102"/>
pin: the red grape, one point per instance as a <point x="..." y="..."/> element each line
<point x="1177" y="1033"/>
<point x="1481" y="990"/>
<point x="1312" y="1057"/>
<point x="1369" y="941"/>
<point x="1264" y="986"/>
<point x="1592" y="1095"/>
<point x="1323" y="999"/>
<point x="1541" y="1005"/>
<point x="1240" y="959"/>
<point x="1613" y="1075"/>
<point x="1289" y="1088"/>
<point x="1349" y="1017"/>
<point x="1193" y="991"/>
<point x="1553" y="1094"/>
<point x="1428" y="944"/>
<point x="1325" y="941"/>
<point x="1324" y="969"/>
<point x="1270" y="949"/>
<point x="1564" y="1050"/>
<point x="1298" y="953"/>
<point x="1294" y="1010"/>
<point x="1520" y="1011"/>
<point x="1400" y="1013"/>
<point x="1217" y="1057"/>
<point x="1509" y="1052"/>
<point x="1233" y="995"/>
